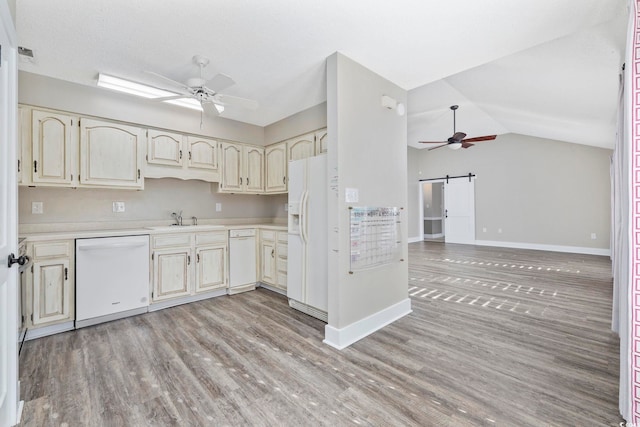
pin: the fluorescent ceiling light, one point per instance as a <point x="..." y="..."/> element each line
<point x="131" y="88"/>
<point x="186" y="103"/>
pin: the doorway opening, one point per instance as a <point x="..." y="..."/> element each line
<point x="433" y="211"/>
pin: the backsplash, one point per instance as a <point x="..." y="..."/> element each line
<point x="157" y="201"/>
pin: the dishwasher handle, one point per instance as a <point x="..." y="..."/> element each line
<point x="110" y="246"/>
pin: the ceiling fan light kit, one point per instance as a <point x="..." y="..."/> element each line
<point x="458" y="140"/>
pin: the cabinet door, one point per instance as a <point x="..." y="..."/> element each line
<point x="171" y="273"/>
<point x="164" y="148"/>
<point x="321" y="141"/>
<point x="54" y="148"/>
<point x="203" y="153"/>
<point x="231" y="168"/>
<point x="276" y="168"/>
<point x="301" y="147"/>
<point x="24" y="131"/>
<point x="268" y="262"/>
<point x="254" y="164"/>
<point x="210" y="268"/>
<point x="51" y="291"/>
<point x="281" y="260"/>
<point x="110" y="154"/>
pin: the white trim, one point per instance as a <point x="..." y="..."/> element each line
<point x="184" y="300"/>
<point x="433" y="236"/>
<point x="343" y="338"/>
<point x="272" y="288"/>
<point x="542" y="247"/>
<point x="49" y="330"/>
<point x="414" y="239"/>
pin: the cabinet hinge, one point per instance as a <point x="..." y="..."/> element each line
<point x="146" y="157"/>
<point x="71" y="177"/>
<point x="180" y="154"/>
<point x="32" y="269"/>
<point x="71" y="122"/>
<point x="152" y="254"/>
<point x="18" y="165"/>
<point x="32" y="317"/>
<point x="35" y="166"/>
<point x="138" y="173"/>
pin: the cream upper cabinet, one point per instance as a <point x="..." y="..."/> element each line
<point x="242" y="168"/>
<point x="301" y="147"/>
<point x="50" y="283"/>
<point x="276" y="168"/>
<point x="110" y="154"/>
<point x="203" y="153"/>
<point x="321" y="141"/>
<point x="254" y="169"/>
<point x="53" y="148"/>
<point x="164" y="148"/>
<point x="24" y="133"/>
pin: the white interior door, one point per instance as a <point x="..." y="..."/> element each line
<point x="460" y="211"/>
<point x="8" y="221"/>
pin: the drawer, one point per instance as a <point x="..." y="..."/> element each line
<point x="52" y="249"/>
<point x="216" y="237"/>
<point x="169" y="240"/>
<point x="268" y="234"/>
<point x="283" y="237"/>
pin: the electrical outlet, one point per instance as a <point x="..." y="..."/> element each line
<point x="499" y="230"/>
<point x="218" y="207"/>
<point x="118" y="207"/>
<point x="593" y="236"/>
<point x="37" y="208"/>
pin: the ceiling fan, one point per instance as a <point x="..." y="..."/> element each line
<point x="458" y="139"/>
<point x="206" y="92"/>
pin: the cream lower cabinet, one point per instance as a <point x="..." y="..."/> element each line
<point x="273" y="258"/>
<point x="185" y="264"/>
<point x="50" y="283"/>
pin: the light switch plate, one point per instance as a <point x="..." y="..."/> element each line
<point x="37" y="208"/>
<point x="218" y="207"/>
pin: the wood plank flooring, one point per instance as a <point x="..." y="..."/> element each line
<point x="496" y="337"/>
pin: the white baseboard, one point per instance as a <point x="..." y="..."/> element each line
<point x="433" y="236"/>
<point x="541" y="247"/>
<point x="49" y="330"/>
<point x="343" y="338"/>
<point x="192" y="298"/>
<point x="414" y="239"/>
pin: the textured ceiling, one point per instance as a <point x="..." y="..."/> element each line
<point x="489" y="53"/>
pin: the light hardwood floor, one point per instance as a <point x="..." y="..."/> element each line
<point x="496" y="337"/>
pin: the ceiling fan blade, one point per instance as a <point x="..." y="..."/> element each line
<point x="210" y="108"/>
<point x="171" y="98"/>
<point x="439" y="146"/>
<point x="458" y="136"/>
<point x="220" y="82"/>
<point x="480" y="138"/>
<point x="168" y="80"/>
<point x="432" y="142"/>
<point x="466" y="144"/>
<point x="249" y="104"/>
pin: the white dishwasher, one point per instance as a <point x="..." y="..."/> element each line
<point x="112" y="278"/>
<point x="242" y="260"/>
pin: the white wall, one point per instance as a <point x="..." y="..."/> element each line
<point x="537" y="191"/>
<point x="413" y="197"/>
<point x="366" y="151"/>
<point x="297" y="124"/>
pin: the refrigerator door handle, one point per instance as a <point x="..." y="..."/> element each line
<point x="303" y="216"/>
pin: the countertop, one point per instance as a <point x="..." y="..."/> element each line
<point x="76" y="231"/>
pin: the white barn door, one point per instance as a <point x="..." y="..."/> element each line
<point x="460" y="211"/>
<point x="8" y="221"/>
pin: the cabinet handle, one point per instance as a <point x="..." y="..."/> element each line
<point x="240" y="180"/>
<point x="66" y="273"/>
<point x="188" y="259"/>
<point x="189" y="155"/>
<point x="18" y="165"/>
<point x="272" y="252"/>
<point x="247" y="180"/>
<point x="180" y="154"/>
<point x="284" y="179"/>
<point x="138" y="173"/>
<point x="198" y="258"/>
<point x="35" y="166"/>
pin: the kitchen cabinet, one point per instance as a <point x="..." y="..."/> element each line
<point x="276" y="168"/>
<point x="111" y="154"/>
<point x="185" y="264"/>
<point x="24" y="133"/>
<point x="321" y="141"/>
<point x="172" y="155"/>
<point x="54" y="148"/>
<point x="50" y="283"/>
<point x="242" y="168"/>
<point x="273" y="258"/>
<point x="301" y="147"/>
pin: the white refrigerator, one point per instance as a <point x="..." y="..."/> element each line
<point x="307" y="275"/>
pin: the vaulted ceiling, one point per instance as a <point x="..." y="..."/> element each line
<point x="546" y="68"/>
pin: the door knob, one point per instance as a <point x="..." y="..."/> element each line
<point x="21" y="260"/>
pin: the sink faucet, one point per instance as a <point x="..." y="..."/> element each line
<point x="195" y="220"/>
<point x="177" y="217"/>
